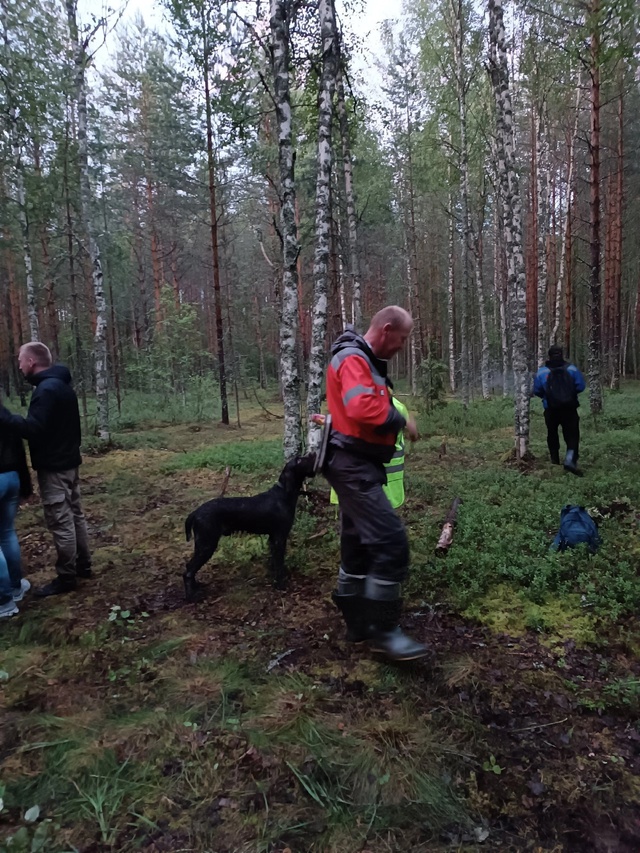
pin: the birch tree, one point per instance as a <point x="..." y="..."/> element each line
<point x="281" y="14"/>
<point x="80" y="59"/>
<point x="328" y="76"/>
<point x="512" y="212"/>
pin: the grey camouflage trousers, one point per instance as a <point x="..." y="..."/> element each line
<point x="60" y="495"/>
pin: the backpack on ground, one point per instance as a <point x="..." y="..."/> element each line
<point x="576" y="526"/>
<point x="560" y="389"/>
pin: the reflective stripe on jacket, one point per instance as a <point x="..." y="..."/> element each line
<point x="394" y="469"/>
<point x="364" y="420"/>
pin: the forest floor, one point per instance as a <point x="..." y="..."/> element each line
<point x="133" y="721"/>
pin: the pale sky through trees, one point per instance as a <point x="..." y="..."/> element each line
<point x="365" y="25"/>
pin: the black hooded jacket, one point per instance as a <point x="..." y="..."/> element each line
<point x="13" y="458"/>
<point x="52" y="424"/>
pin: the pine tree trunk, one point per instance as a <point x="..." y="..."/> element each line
<point x="617" y="248"/>
<point x="531" y="240"/>
<point x="73" y="290"/>
<point x="80" y="60"/>
<point x="512" y="209"/>
<point x="413" y="245"/>
<point x="451" y="302"/>
<point x="595" y="287"/>
<point x="485" y="366"/>
<point x="566" y="222"/>
<point x="500" y="295"/>
<point x="155" y="256"/>
<point x="350" y="198"/>
<point x="469" y="239"/>
<point x="279" y="22"/>
<point x="50" y="304"/>
<point x="211" y="168"/>
<point x="542" y="228"/>
<point x="23" y="219"/>
<point x="328" y="35"/>
<point x="15" y="337"/>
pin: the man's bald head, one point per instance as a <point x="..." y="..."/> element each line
<point x="389" y="330"/>
<point x="33" y="358"/>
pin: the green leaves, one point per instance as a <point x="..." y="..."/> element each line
<point x="492" y="766"/>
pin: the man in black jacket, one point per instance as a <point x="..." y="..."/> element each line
<point x="52" y="428"/>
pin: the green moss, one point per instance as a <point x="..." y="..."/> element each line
<point x="507" y="611"/>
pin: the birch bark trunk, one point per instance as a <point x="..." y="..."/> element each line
<point x="80" y="60"/>
<point x="279" y="20"/>
<point x="328" y="35"/>
<point x="512" y="211"/>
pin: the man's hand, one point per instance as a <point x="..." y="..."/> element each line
<point x="412" y="429"/>
<point x="317" y="419"/>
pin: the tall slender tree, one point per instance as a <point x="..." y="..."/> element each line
<point x="80" y="60"/>
<point x="512" y="212"/>
<point x="282" y="13"/>
<point x="328" y="77"/>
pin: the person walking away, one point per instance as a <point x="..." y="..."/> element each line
<point x="558" y="383"/>
<point x="15" y="483"/>
<point x="52" y="428"/>
<point x="374" y="548"/>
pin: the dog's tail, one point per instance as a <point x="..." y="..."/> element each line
<point x="188" y="526"/>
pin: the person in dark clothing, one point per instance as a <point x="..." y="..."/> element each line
<point x="364" y="429"/>
<point x="52" y="428"/>
<point x="558" y="383"/>
<point x="15" y="483"/>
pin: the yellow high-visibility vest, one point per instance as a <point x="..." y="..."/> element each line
<point x="394" y="490"/>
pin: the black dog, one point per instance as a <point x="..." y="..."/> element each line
<point x="271" y="513"/>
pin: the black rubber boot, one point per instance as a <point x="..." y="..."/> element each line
<point x="386" y="636"/>
<point x="353" y="612"/>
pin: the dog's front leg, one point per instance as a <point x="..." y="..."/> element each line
<point x="277" y="549"/>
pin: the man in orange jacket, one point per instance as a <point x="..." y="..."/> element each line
<point x="373" y="542"/>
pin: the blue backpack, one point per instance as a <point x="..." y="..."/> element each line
<point x="576" y="525"/>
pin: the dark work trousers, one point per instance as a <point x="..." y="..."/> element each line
<point x="373" y="541"/>
<point x="568" y="419"/>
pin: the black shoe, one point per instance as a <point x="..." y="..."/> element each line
<point x="55" y="587"/>
<point x="85" y="574"/>
<point x="555" y="458"/>
<point x="353" y="612"/>
<point x="385" y="635"/>
<point x="571" y="463"/>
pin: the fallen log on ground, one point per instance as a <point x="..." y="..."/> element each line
<point x="446" y="534"/>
